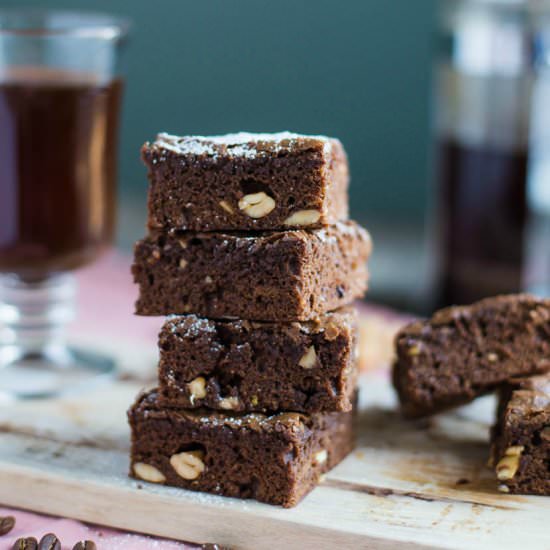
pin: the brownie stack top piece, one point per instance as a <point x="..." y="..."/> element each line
<point x="521" y="436"/>
<point x="246" y="182"/>
<point x="463" y="352"/>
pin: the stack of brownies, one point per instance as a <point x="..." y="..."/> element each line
<point x="251" y="257"/>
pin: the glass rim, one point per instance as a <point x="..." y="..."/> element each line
<point x="77" y="24"/>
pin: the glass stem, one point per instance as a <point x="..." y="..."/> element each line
<point x="33" y="317"/>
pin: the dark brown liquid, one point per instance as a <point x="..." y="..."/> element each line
<point x="483" y="218"/>
<point x="58" y="141"/>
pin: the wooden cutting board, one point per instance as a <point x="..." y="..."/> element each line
<point x="407" y="485"/>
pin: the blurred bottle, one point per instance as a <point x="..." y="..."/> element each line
<point x="493" y="148"/>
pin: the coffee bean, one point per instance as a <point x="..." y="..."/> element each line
<point x="49" y="542"/>
<point x="6" y="525"/>
<point x="28" y="543"/>
<point x="85" y="545"/>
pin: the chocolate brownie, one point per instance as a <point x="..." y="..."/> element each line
<point x="307" y="366"/>
<point x="521" y="437"/>
<point x="463" y="352"/>
<point x="275" y="459"/>
<point x="277" y="276"/>
<point x="246" y="181"/>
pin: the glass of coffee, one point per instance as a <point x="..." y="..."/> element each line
<point x="60" y="97"/>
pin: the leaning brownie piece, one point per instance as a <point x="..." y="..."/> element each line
<point x="463" y="352"/>
<point x="258" y="366"/>
<point x="246" y="181"/>
<point x="280" y="276"/>
<point x="275" y="459"/>
<point x="521" y="437"/>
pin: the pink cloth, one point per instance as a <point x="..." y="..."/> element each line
<point x="105" y="303"/>
<point x="70" y="532"/>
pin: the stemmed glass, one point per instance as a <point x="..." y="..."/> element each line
<point x="60" y="96"/>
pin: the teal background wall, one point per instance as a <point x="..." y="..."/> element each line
<point x="356" y="69"/>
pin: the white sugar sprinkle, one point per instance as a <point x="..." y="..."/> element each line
<point x="241" y="144"/>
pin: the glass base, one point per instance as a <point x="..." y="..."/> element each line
<point x="35" y="361"/>
<point x="57" y="372"/>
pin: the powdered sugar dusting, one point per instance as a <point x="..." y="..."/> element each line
<point x="241" y="144"/>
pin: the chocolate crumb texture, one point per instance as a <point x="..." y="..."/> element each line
<point x="463" y="352"/>
<point x="245" y="366"/>
<point x="274" y="458"/>
<point x="281" y="276"/>
<point x="520" y="449"/>
<point x="245" y="181"/>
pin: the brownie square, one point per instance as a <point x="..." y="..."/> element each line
<point x="237" y="365"/>
<point x="246" y="181"/>
<point x="521" y="437"/>
<point x="467" y="351"/>
<point x="281" y="276"/>
<point x="276" y="459"/>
